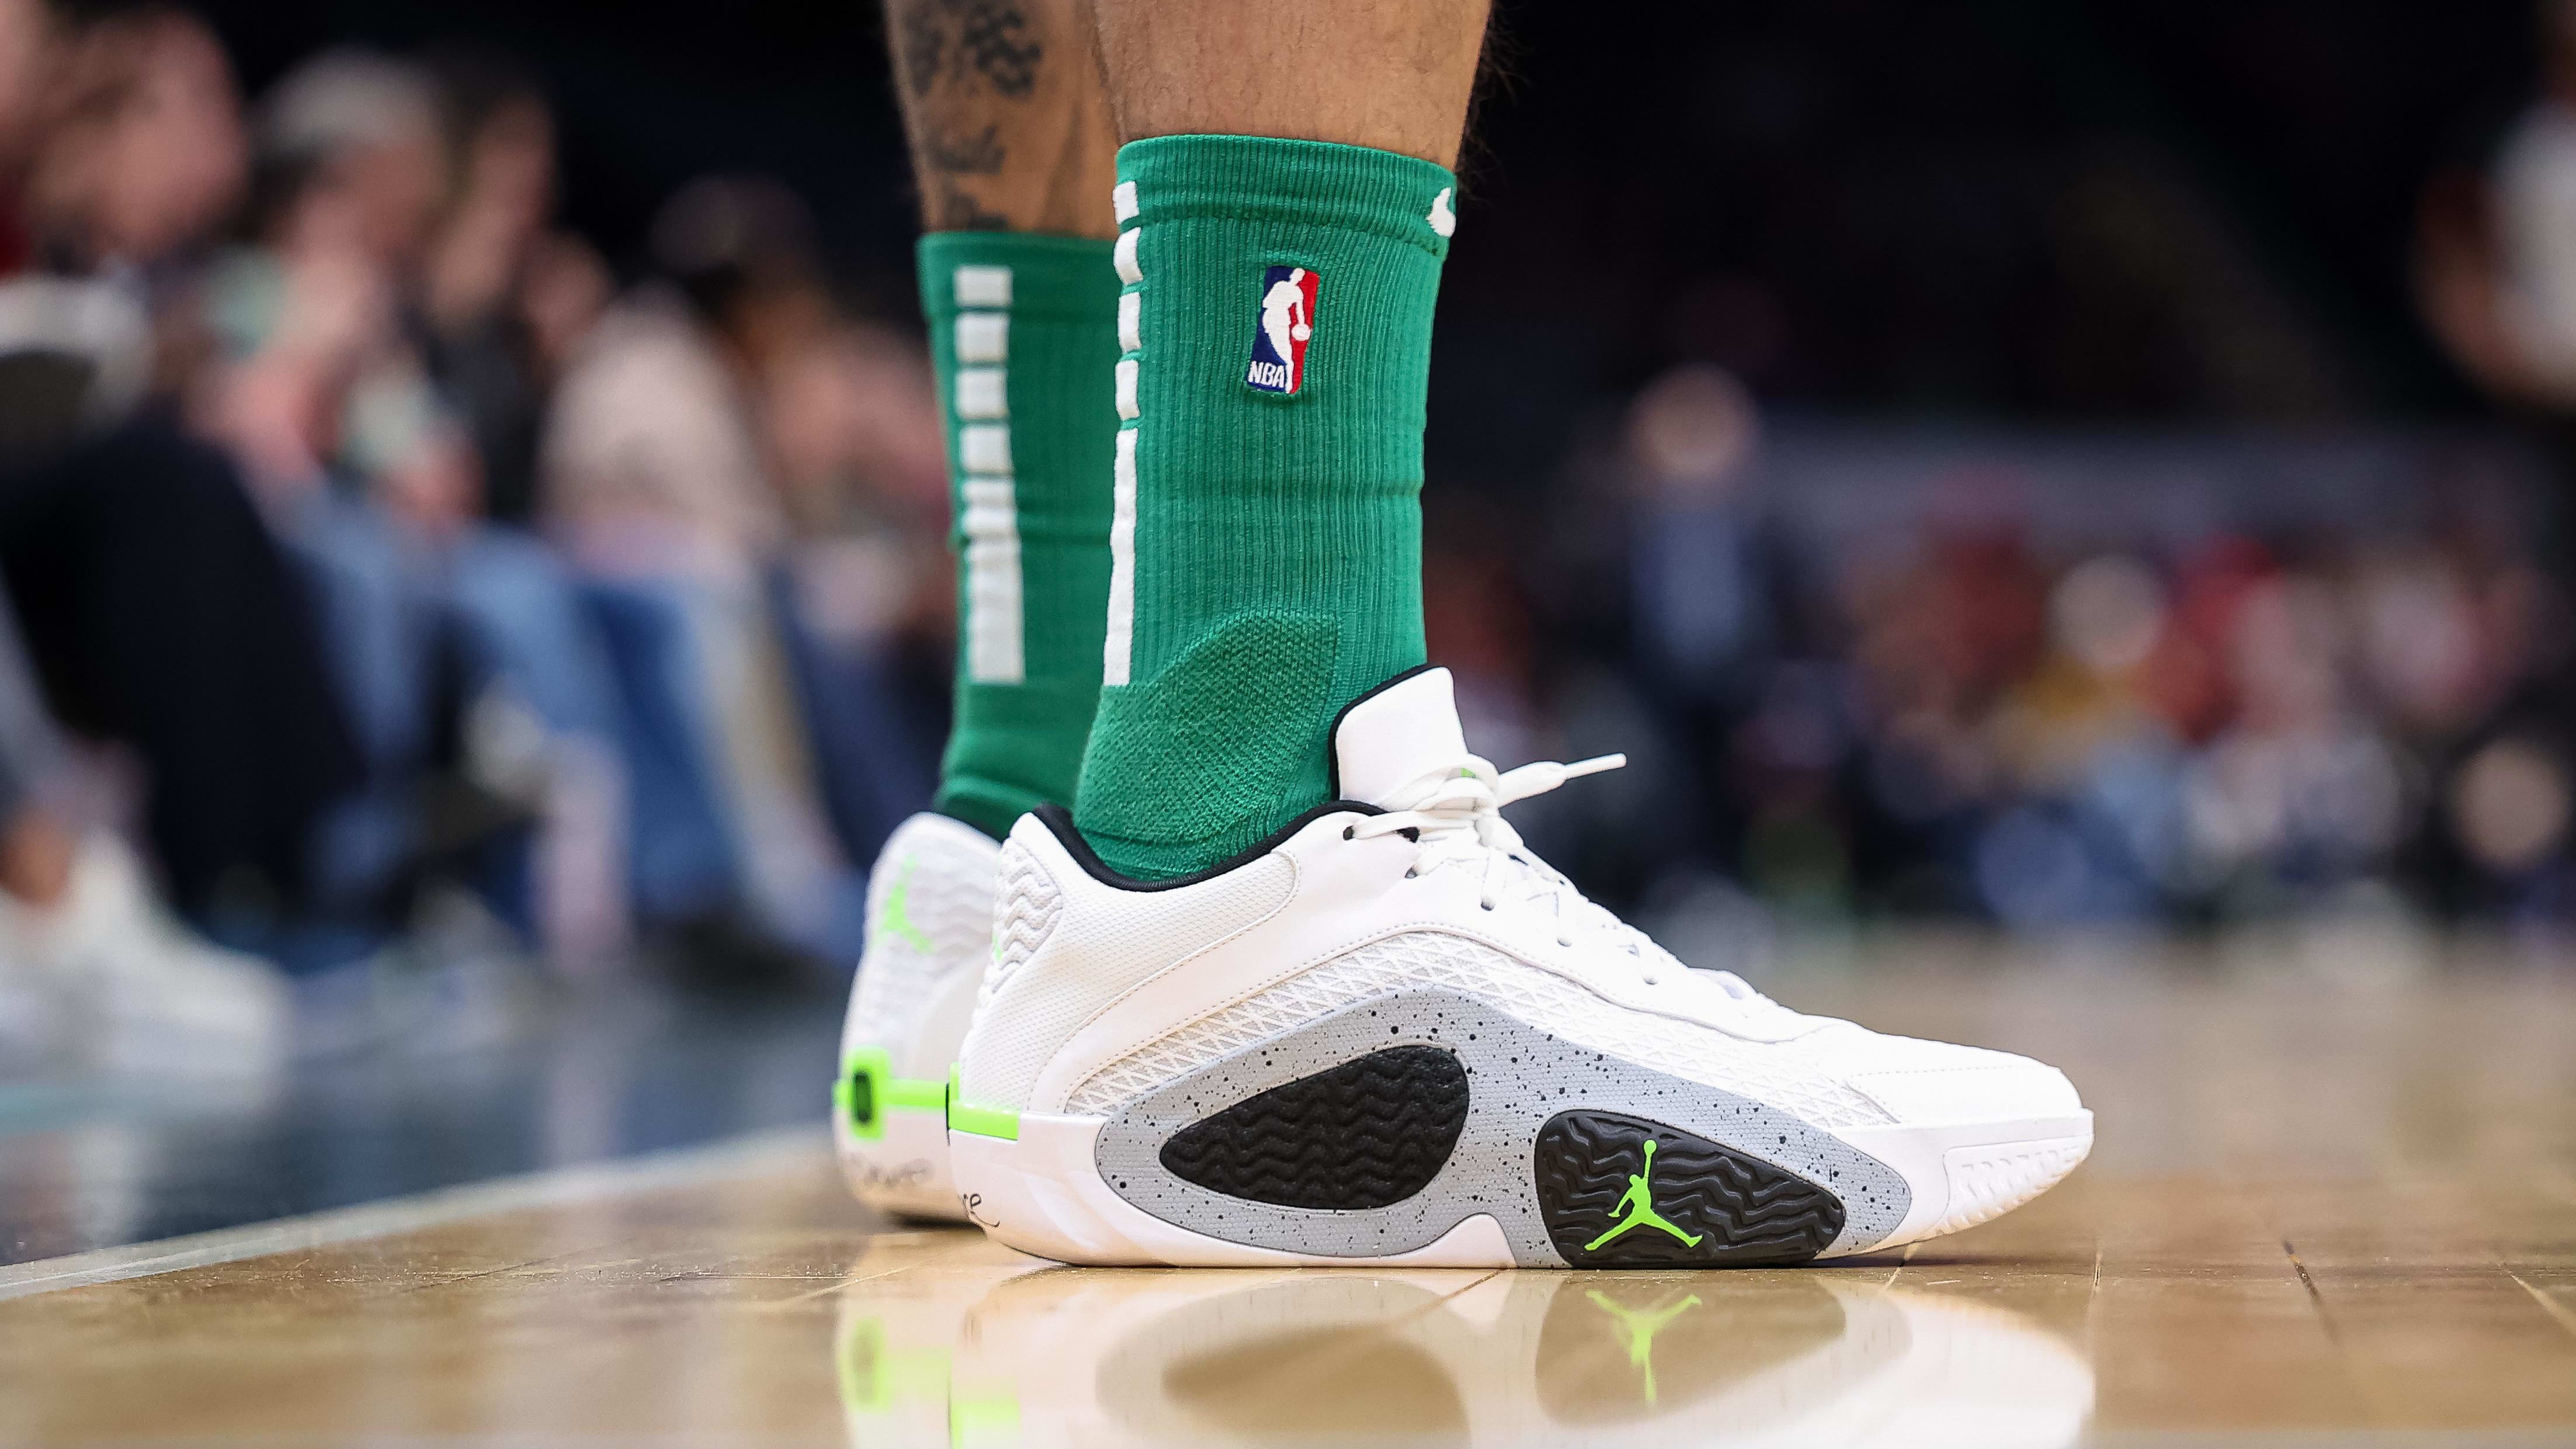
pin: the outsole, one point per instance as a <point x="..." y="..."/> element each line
<point x="1366" y="1134"/>
<point x="1042" y="1194"/>
<point x="1711" y="1205"/>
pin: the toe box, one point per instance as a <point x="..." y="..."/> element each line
<point x="1926" y="1083"/>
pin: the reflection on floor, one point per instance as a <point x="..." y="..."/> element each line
<point x="755" y="1308"/>
<point x="93" y="1162"/>
<point x="2320" y="1208"/>
<point x="1089" y="1356"/>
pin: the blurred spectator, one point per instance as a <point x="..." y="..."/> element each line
<point x="654" y="458"/>
<point x="155" y="608"/>
<point x="2456" y="660"/>
<point x="2510" y="805"/>
<point x="93" y="971"/>
<point x="464" y="652"/>
<point x="1699" y="570"/>
<point x="1921" y="675"/>
<point x="350" y="175"/>
<point x="688" y="414"/>
<point x="144" y="148"/>
<point x="505" y="298"/>
<point x="403" y="335"/>
<point x="2496" y="254"/>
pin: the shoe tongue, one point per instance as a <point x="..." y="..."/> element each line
<point x="1395" y="736"/>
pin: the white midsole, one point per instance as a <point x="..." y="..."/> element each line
<point x="1042" y="1195"/>
<point x="905" y="1170"/>
<point x="1932" y="1161"/>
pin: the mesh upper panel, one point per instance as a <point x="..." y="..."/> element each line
<point x="1783" y="1074"/>
<point x="1024" y="911"/>
<point x="1082" y="961"/>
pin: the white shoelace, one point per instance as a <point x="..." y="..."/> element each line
<point x="1457" y="813"/>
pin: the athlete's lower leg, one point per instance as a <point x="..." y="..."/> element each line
<point x="1285" y="207"/>
<point x="1013" y="153"/>
<point x="1390" y="75"/>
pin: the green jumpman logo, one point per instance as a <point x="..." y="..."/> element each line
<point x="1637" y="1209"/>
<point x="895" y="920"/>
<point x="1642" y="1328"/>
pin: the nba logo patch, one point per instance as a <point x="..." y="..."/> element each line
<point x="1287" y="322"/>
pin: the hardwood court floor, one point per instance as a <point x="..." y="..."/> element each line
<point x="2321" y="1208"/>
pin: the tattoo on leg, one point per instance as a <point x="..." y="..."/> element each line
<point x="960" y="42"/>
<point x="959" y="212"/>
<point x="980" y="154"/>
<point x="981" y="107"/>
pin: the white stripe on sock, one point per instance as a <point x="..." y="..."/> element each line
<point x="1131" y="317"/>
<point x="1122" y="562"/>
<point x="991" y="524"/>
<point x="984" y="448"/>
<point x="990" y="516"/>
<point x="1117" y="646"/>
<point x="983" y="337"/>
<point x="1127" y="388"/>
<point x="980" y="393"/>
<point x="983" y="286"/>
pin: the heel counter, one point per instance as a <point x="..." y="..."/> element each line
<point x="930" y="915"/>
<point x="1070" y="947"/>
<point x="1003" y="1051"/>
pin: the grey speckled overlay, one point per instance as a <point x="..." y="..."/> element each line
<point x="1518" y="1077"/>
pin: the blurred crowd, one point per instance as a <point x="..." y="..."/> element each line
<point x="2046" y="681"/>
<point x="394" y="582"/>
<point x="388" y="580"/>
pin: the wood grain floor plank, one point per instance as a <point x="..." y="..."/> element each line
<point x="2404" y="1273"/>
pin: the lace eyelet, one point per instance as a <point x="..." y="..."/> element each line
<point x="1565" y="940"/>
<point x="1410" y="873"/>
<point x="1488" y="905"/>
<point x="1349" y="830"/>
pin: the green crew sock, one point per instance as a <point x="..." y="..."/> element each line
<point x="1023" y="330"/>
<point x="1275" y="334"/>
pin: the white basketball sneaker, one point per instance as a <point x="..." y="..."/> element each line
<point x="1391" y="1035"/>
<point x="930" y="931"/>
